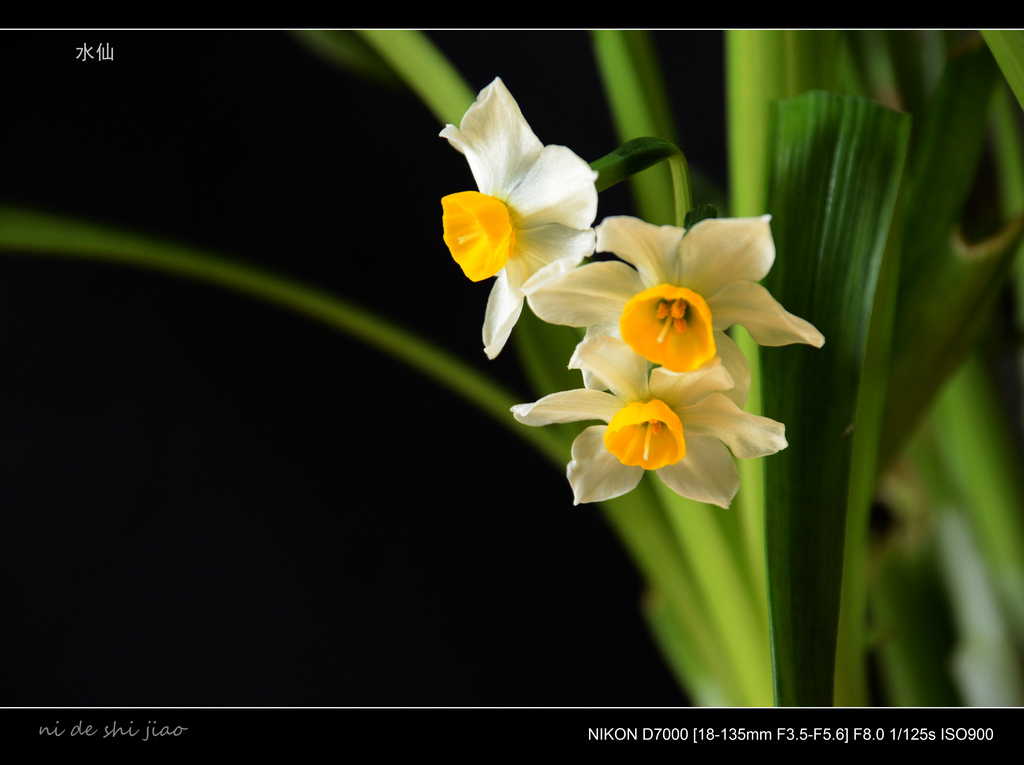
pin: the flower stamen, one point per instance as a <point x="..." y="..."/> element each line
<point x="665" y="329"/>
<point x="673" y="317"/>
<point x="648" y="434"/>
<point x="470" y="236"/>
<point x="648" y="321"/>
<point x="653" y="429"/>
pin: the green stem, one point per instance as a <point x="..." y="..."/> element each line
<point x="639" y="154"/>
<point x="682" y="195"/>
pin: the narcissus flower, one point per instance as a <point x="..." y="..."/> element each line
<point x="677" y="291"/>
<point x="682" y="426"/>
<point x="531" y="217"/>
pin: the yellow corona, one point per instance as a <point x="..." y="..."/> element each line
<point x="670" y="326"/>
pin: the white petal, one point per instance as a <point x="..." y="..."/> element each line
<point x="707" y="473"/>
<point x="653" y="250"/>
<point x="738" y="367"/>
<point x="716" y="252"/>
<point x="503" y="308"/>
<point x="683" y="389"/>
<point x="767" y="322"/>
<point x="537" y="249"/>
<point x="595" y="473"/>
<point x="496" y="139"/>
<point x="569" y="406"/>
<point x="557" y="188"/>
<point x="590" y="379"/>
<point x="616" y="365"/>
<point x="747" y="435"/>
<point x="586" y="296"/>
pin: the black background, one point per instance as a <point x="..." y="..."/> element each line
<point x="208" y="501"/>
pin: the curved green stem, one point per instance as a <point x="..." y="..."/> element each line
<point x="681" y="187"/>
<point x="639" y="154"/>
<point x="25" y="231"/>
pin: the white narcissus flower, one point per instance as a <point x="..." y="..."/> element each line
<point x="530" y="219"/>
<point x="677" y="292"/>
<point x="680" y="425"/>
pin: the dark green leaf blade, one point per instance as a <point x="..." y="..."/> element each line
<point x="834" y="176"/>
<point x="1007" y="45"/>
<point x="947" y="285"/>
<point x="699" y="213"/>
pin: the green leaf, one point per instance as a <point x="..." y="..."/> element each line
<point x="916" y="631"/>
<point x="985" y="664"/>
<point x="947" y="284"/>
<point x="835" y="173"/>
<point x="348" y="50"/>
<point x="703" y="687"/>
<point x="763" y="65"/>
<point x="25" y="231"/>
<point x="636" y="97"/>
<point x="430" y="75"/>
<point x="974" y="444"/>
<point x="699" y="213"/>
<point x="904" y="49"/>
<point x="851" y="650"/>
<point x="711" y="542"/>
<point x="1007" y="45"/>
<point x="697" y="650"/>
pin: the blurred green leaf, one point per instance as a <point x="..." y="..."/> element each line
<point x="947" y="284"/>
<point x="915" y="631"/>
<point x="980" y="469"/>
<point x="25" y="231"/>
<point x="904" y="48"/>
<point x="984" y="663"/>
<point x="639" y="106"/>
<point x="703" y="688"/>
<point x="945" y="638"/>
<point x="1007" y="45"/>
<point x="836" y="167"/>
<point x="754" y="78"/>
<point x="762" y="66"/>
<point x="694" y="647"/>
<point x="424" y="68"/>
<point x="710" y="539"/>
<point x="347" y="49"/>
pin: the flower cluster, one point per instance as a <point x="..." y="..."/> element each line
<point x="658" y="367"/>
